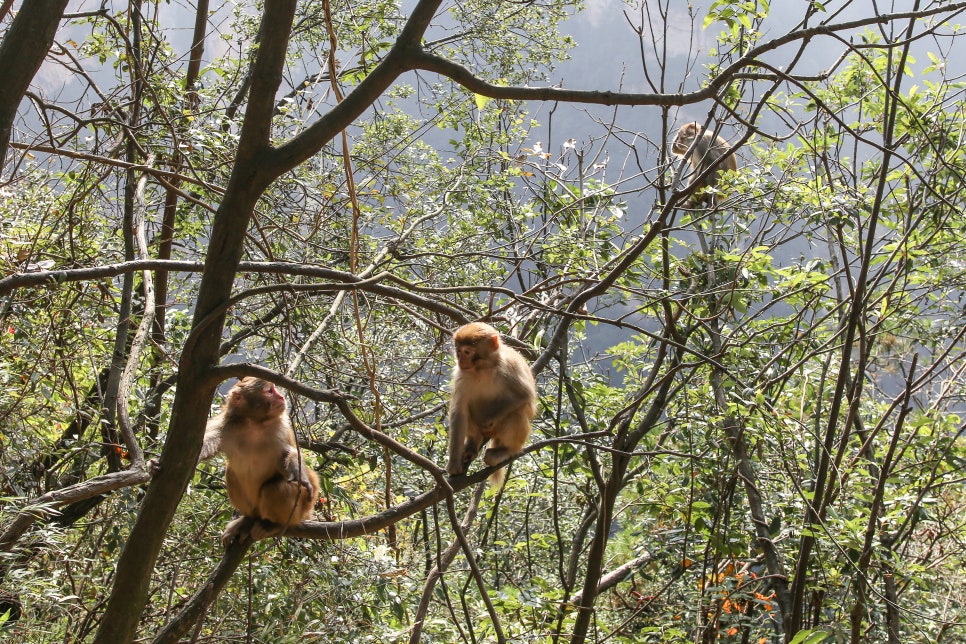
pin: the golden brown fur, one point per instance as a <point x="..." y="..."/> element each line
<point x="494" y="397"/>
<point x="705" y="154"/>
<point x="267" y="480"/>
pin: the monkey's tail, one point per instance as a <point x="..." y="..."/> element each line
<point x="497" y="479"/>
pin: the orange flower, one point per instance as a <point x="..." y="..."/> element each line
<point x="766" y="601"/>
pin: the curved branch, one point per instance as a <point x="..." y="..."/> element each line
<point x="242" y="369"/>
<point x="126" y="382"/>
<point x="426" y="61"/>
<point x="45" y="504"/>
<point x="198" y="605"/>
<point x="50" y="278"/>
<point x="165" y="177"/>
<point x="419" y="58"/>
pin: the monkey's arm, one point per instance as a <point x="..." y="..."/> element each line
<point x="458" y="420"/>
<point x="294" y="468"/>
<point x="212" y="444"/>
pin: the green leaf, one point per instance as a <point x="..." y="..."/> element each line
<point x="811" y="636"/>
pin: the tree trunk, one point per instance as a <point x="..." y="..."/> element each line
<point x="21" y="53"/>
<point x="192" y="402"/>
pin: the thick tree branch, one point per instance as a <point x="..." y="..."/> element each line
<point x="616" y="576"/>
<point x="396" y="62"/>
<point x="22" y="51"/>
<point x="249" y="178"/>
<point x="46" y="504"/>
<point x="323" y="530"/>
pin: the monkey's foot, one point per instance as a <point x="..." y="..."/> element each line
<point x="236" y="528"/>
<point x="263" y="529"/>
<point x="249" y="528"/>
<point x="455" y="468"/>
<point x="495" y="456"/>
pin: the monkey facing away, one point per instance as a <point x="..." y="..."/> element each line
<point x="267" y="480"/>
<point x="494" y="397"/>
<point x="706" y="153"/>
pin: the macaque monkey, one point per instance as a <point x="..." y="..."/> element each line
<point x="267" y="480"/>
<point x="494" y="397"/>
<point x="706" y="153"/>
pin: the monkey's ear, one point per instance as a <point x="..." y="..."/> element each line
<point x="495" y="342"/>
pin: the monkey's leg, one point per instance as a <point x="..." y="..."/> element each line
<point x="508" y="440"/>
<point x="471" y="448"/>
<point x="242" y="496"/>
<point x="262" y="529"/>
<point x="284" y="502"/>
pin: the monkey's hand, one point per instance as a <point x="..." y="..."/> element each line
<point x="304" y="480"/>
<point x="470" y="451"/>
<point x="295" y="470"/>
<point x="300" y="477"/>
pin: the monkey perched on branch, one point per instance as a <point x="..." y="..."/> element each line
<point x="707" y="152"/>
<point x="494" y="397"/>
<point x="267" y="480"/>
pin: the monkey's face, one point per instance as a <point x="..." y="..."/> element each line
<point x="257" y="398"/>
<point x="474" y="344"/>
<point x="467" y="354"/>
<point x="273" y="397"/>
<point x="684" y="138"/>
<point x="478" y="353"/>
